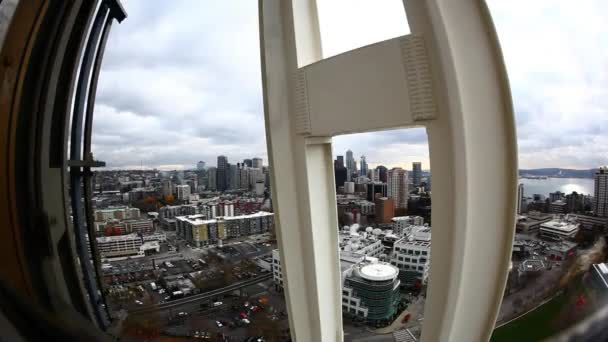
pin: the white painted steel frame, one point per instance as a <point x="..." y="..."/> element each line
<point x="448" y="76"/>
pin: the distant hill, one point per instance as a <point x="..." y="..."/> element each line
<point x="558" y="173"/>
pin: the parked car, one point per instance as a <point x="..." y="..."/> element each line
<point x="219" y="324"/>
<point x="218" y="304"/>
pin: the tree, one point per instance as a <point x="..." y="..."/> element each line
<point x="169" y="199"/>
<point x="263" y="325"/>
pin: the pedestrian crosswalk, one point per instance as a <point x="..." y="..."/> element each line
<point x="404" y="335"/>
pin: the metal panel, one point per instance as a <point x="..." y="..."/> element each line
<point x="78" y="194"/>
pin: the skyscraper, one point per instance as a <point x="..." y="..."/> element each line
<point x="398" y="186"/>
<point x="382" y="173"/>
<point x="200" y="165"/>
<point x="351" y="165"/>
<point x="235" y="177"/>
<point x="520" y="198"/>
<point x="248" y="162"/>
<point x="212" y="178"/>
<point x="183" y="192"/>
<point x="416" y="173"/>
<point x="600" y="204"/>
<point x="256" y="163"/>
<point x="222" y="173"/>
<point x="340" y="174"/>
<point x="167" y="187"/>
<point x="363" y="167"/>
<point x="339" y="161"/>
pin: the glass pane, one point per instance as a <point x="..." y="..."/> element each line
<point x="555" y="52"/>
<point x="183" y="215"/>
<point x="383" y="189"/>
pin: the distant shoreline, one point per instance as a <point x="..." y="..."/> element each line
<point x="547" y="177"/>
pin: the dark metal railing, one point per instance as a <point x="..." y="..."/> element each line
<point x="81" y="158"/>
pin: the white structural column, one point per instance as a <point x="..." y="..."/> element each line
<point x="302" y="179"/>
<point x="474" y="168"/>
<point x="448" y="75"/>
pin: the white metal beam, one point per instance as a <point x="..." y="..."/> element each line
<point x="302" y="189"/>
<point x="448" y="76"/>
<point x="384" y="85"/>
<point x="474" y="168"/>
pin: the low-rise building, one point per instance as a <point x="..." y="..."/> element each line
<point x="364" y="243"/>
<point x="402" y="223"/>
<point x="145" y="226"/>
<point x="560" y="228"/>
<point x="385" y="209"/>
<point x="277" y="271"/>
<point x="202" y="232"/>
<point x="160" y="237"/>
<point x="562" y="250"/>
<point x="558" y="207"/>
<point x="589" y="221"/>
<point x="412" y="255"/>
<point x="370" y="290"/>
<point x="530" y="223"/>
<point x="116" y="213"/>
<point x="119" y="246"/>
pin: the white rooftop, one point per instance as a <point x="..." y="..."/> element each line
<point x="133" y="236"/>
<point x="197" y="219"/>
<point x="378" y="272"/>
<point x="563" y="226"/>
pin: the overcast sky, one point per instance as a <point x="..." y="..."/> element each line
<point x="181" y="82"/>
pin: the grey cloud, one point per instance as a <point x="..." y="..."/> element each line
<point x="181" y="82"/>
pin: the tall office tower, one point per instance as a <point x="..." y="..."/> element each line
<point x="244" y="184"/>
<point x="267" y="176"/>
<point x="520" y="198"/>
<point x="235" y="177"/>
<point x="167" y="188"/>
<point x="351" y="165"/>
<point x="382" y="173"/>
<point x="398" y="186"/>
<point x="340" y="175"/>
<point x="600" y="204"/>
<point x="222" y="173"/>
<point x="212" y="178"/>
<point x="183" y="192"/>
<point x="193" y="183"/>
<point x="257" y="163"/>
<point x="376" y="189"/>
<point x="200" y="165"/>
<point x="339" y="161"/>
<point x="363" y="167"/>
<point x="248" y="162"/>
<point x="416" y="173"/>
<point x="374" y="175"/>
<point x="255" y="175"/>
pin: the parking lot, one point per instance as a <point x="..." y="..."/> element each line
<point x="179" y="270"/>
<point x="256" y="311"/>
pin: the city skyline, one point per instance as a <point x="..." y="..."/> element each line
<point x="167" y="110"/>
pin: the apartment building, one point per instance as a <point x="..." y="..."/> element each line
<point x="411" y="255"/>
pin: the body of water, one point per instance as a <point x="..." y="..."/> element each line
<point x="565" y="185"/>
